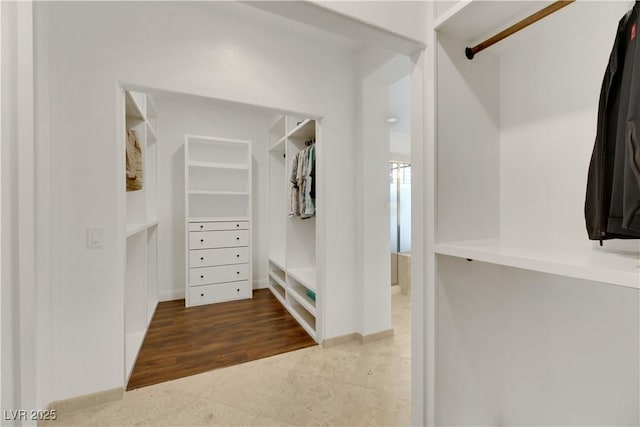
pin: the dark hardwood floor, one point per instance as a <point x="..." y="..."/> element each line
<point x="186" y="341"/>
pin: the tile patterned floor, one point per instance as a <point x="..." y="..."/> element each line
<point x="346" y="385"/>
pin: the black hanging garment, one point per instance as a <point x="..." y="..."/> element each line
<point x="612" y="205"/>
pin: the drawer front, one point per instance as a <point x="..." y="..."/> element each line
<point x="224" y="256"/>
<point x="218" y="239"/>
<point x="223" y="273"/>
<point x="208" y="294"/>
<point x="218" y="226"/>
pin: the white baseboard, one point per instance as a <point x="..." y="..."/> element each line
<point x="87" y="400"/>
<point x="171" y="295"/>
<point x="355" y="336"/>
<point x="339" y="340"/>
<point x="376" y="336"/>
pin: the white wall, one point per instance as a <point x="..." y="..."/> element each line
<point x="377" y="72"/>
<point x="181" y="114"/>
<point x="400" y="108"/>
<point x="556" y="125"/>
<point x="190" y="48"/>
<point x="373" y="197"/>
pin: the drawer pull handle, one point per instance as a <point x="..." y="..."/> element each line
<point x="238" y="256"/>
<point x="201" y="240"/>
<point x="201" y="258"/>
<point x="238" y="290"/>
<point x="237" y="238"/>
<point x="202" y="277"/>
<point x="237" y="225"/>
<point x="201" y="295"/>
<point x="201" y="227"/>
<point x="237" y="272"/>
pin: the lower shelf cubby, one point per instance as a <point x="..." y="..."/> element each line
<point x="277" y="289"/>
<point x="277" y="278"/>
<point x="277" y="271"/>
<point x="303" y="316"/>
<point x="303" y="296"/>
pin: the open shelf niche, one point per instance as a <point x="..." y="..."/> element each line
<point x="292" y="240"/>
<point x="141" y="235"/>
<point x="528" y="313"/>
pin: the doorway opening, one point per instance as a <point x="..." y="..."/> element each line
<point x="196" y="178"/>
<point x="400" y="224"/>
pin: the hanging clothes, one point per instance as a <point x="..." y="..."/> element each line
<point x="312" y="193"/>
<point x="301" y="202"/>
<point x="294" y="193"/>
<point x="612" y="204"/>
<point x="309" y="207"/>
<point x="133" y="162"/>
<point x="300" y="181"/>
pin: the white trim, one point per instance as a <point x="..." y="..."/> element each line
<point x="376" y="336"/>
<point x="44" y="230"/>
<point x="420" y="233"/>
<point x="341" y="339"/>
<point x="26" y="205"/>
<point x="87" y="400"/>
<point x="428" y="294"/>
<point x="2" y="144"/>
<point x="358" y="337"/>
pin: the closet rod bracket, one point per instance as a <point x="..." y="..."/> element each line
<point x="469" y="53"/>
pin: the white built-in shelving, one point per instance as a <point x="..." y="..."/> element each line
<point x="137" y="228"/>
<point x="293" y="277"/>
<point x="217" y="219"/>
<point x="615" y="267"/>
<point x="305" y="275"/>
<point x="523" y="311"/>
<point x="194" y="164"/>
<point x="141" y="235"/>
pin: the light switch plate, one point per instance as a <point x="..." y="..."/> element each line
<point x="95" y="237"/>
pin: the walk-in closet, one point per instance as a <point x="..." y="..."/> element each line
<point x="205" y="235"/>
<point x="531" y="322"/>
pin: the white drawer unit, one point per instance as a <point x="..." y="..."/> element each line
<point x="221" y="256"/>
<point x="219" y="262"/>
<point x="218" y="239"/>
<point x="218" y="225"/>
<point x="219" y="274"/>
<point x="220" y="292"/>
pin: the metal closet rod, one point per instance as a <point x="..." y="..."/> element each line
<point x="553" y="7"/>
